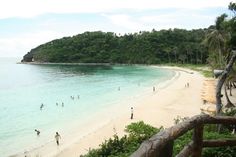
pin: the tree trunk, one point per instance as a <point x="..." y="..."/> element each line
<point x="220" y="61"/>
<point x="221" y="82"/>
<point x="230" y="88"/>
<point x="229" y="103"/>
<point x="201" y="58"/>
<point x="234" y="85"/>
<point x="175" y="57"/>
<point x="169" y="57"/>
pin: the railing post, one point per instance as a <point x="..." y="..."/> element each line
<point x="167" y="150"/>
<point x="197" y="140"/>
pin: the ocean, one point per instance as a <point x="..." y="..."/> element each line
<point x="71" y="95"/>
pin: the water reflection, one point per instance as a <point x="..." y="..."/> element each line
<point x="74" y="69"/>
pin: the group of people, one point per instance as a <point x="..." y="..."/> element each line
<point x="73" y="97"/>
<point x="57" y="136"/>
<point x="62" y="104"/>
<point x="187" y="84"/>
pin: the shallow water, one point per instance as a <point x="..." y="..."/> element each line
<point x="23" y="88"/>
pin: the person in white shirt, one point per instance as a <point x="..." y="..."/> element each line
<point x="57" y="137"/>
<point x="132" y="113"/>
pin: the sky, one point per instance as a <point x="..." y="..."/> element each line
<point x="25" y="24"/>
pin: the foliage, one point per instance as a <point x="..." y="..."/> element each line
<point x="138" y="132"/>
<point x="141" y="131"/>
<point x="126" y="145"/>
<point x="180" y="142"/>
<point x="218" y="151"/>
<point x="221" y="39"/>
<point x="165" y="46"/>
<point x="230" y="112"/>
<point x="210" y="132"/>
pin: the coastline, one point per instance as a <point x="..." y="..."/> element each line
<point x="173" y="98"/>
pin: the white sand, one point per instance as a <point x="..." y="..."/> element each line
<point x="157" y="108"/>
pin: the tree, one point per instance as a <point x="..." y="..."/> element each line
<point x="221" y="81"/>
<point x="220" y="41"/>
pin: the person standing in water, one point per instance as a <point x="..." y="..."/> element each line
<point x="37" y="131"/>
<point x="132" y="113"/>
<point x="41" y="107"/>
<point x="57" y="137"/>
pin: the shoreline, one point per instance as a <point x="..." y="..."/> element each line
<point x="157" y="115"/>
<point x="81" y="142"/>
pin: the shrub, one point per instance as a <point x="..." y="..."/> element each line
<point x="138" y="132"/>
<point x="126" y="145"/>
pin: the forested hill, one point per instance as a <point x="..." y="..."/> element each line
<point x="165" y="46"/>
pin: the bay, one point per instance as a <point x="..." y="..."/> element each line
<point x="70" y="94"/>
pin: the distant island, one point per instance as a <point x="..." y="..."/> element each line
<point x="155" y="47"/>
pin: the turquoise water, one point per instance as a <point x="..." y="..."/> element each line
<point x="23" y="88"/>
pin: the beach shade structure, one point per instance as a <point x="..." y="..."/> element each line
<point x="208" y="96"/>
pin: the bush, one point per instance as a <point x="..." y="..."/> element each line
<point x="126" y="145"/>
<point x="138" y="132"/>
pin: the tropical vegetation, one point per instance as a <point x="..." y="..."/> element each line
<point x="139" y="131"/>
<point x="214" y="45"/>
<point x="155" y="47"/>
<point x="221" y="43"/>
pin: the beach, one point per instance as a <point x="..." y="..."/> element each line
<point x="157" y="108"/>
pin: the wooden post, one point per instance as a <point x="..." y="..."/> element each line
<point x="197" y="141"/>
<point x="161" y="144"/>
<point x="167" y="150"/>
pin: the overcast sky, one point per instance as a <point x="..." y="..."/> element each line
<point x="25" y="24"/>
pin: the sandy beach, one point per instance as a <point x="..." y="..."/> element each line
<point x="157" y="108"/>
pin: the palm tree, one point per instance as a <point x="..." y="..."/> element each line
<point x="229" y="103"/>
<point x="221" y="81"/>
<point x="216" y="41"/>
<point x="217" y="44"/>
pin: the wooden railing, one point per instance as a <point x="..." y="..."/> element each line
<point x="161" y="144"/>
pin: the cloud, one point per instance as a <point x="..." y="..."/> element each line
<point x="25" y="24"/>
<point x="31" y="8"/>
<point x="178" y="19"/>
<point x="124" y="21"/>
<point x="162" y="19"/>
<point x="21" y="44"/>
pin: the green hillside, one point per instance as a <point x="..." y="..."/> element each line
<point x="165" y="46"/>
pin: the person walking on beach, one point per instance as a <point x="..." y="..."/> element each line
<point x="57" y="137"/>
<point x="62" y="104"/>
<point x="132" y="113"/>
<point x="37" y="131"/>
<point x="153" y="89"/>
